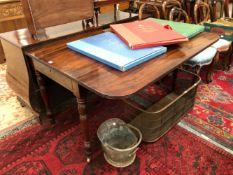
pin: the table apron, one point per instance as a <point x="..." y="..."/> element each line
<point x="54" y="75"/>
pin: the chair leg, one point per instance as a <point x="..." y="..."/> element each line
<point x="210" y="68"/>
<point x="226" y="59"/>
<point x="197" y="69"/>
<point x="229" y="56"/>
<point x="209" y="77"/>
<point x="231" y="60"/>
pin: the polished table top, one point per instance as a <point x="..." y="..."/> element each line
<point x="109" y="82"/>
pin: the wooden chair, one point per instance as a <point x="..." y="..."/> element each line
<point x="209" y="56"/>
<point x="168" y="5"/>
<point x="223" y="46"/>
<point x="201" y="12"/>
<point x="148" y="10"/>
<point x="156" y="3"/>
<point x="216" y="9"/>
<point x="232" y="10"/>
<point x="188" y="6"/>
<point x="178" y="14"/>
<point x="226" y="8"/>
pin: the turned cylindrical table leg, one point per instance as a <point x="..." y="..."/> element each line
<point x="44" y="96"/>
<point x="81" y="94"/>
<point x="84" y="127"/>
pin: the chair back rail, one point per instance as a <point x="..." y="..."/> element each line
<point x="201" y="12"/>
<point x="179" y="15"/>
<point x="148" y="10"/>
<point x="168" y="5"/>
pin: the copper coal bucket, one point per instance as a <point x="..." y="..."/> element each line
<point x="119" y="141"/>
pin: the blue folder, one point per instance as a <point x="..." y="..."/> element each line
<point x="109" y="49"/>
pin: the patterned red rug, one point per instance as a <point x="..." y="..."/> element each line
<point x="58" y="150"/>
<point x="213" y="112"/>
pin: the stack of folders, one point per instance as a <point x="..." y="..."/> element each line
<point x="131" y="44"/>
<point x="147" y="33"/>
<point x="109" y="49"/>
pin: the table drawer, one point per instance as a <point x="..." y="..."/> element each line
<point x="54" y="75"/>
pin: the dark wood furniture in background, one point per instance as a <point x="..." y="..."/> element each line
<point x="164" y="6"/>
<point x="2" y="55"/>
<point x="168" y="5"/>
<point x="216" y="9"/>
<point x="226" y="8"/>
<point x="101" y="3"/>
<point x="17" y="75"/>
<point x="11" y="18"/>
<point x="148" y="10"/>
<point x="80" y="74"/>
<point x="179" y="15"/>
<point x="11" y="15"/>
<point x="43" y="14"/>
